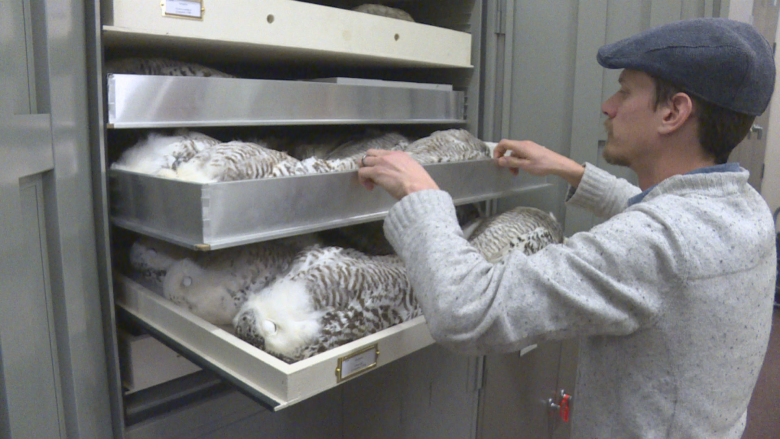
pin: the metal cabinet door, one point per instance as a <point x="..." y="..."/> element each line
<point x="29" y="380"/>
<point x="528" y="72"/>
<point x="52" y="365"/>
<point x="751" y="151"/>
<point x="542" y="83"/>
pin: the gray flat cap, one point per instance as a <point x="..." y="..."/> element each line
<point x="722" y="61"/>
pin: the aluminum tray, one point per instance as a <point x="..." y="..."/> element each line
<point x="144" y="101"/>
<point x="265" y="378"/>
<point x="219" y="215"/>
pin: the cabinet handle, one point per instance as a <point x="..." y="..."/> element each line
<point x="562" y="407"/>
<point x="758" y="129"/>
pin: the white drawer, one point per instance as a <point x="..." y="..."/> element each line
<point x="147" y="362"/>
<point x="283" y="30"/>
<point x="258" y="374"/>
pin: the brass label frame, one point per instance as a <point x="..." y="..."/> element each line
<point x="351" y="355"/>
<point x="169" y="14"/>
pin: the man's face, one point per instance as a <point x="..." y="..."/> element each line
<point x="631" y="119"/>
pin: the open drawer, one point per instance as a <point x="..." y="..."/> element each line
<point x="281" y="30"/>
<point x="256" y="373"/>
<point x="219" y="215"/>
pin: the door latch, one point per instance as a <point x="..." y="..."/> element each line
<point x="758" y="129"/>
<point x="562" y="406"/>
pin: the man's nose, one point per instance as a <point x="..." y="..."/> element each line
<point x="608" y="109"/>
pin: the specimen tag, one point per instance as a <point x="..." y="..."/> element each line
<point x="357" y="362"/>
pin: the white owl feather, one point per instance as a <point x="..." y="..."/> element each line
<point x="332" y="295"/>
<point x="161" y="66"/>
<point x="361" y="317"/>
<point x="232" y="161"/>
<point x="286" y="317"/>
<point x="355" y="148"/>
<point x="159" y="154"/>
<point x="344" y="156"/>
<point x="448" y="146"/>
<point x="524" y="228"/>
<point x="215" y="285"/>
<point x="384" y="11"/>
<point x="151" y="258"/>
<point x="212" y="295"/>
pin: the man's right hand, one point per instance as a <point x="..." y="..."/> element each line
<point x="535" y="159"/>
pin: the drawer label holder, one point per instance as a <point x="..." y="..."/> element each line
<point x="357" y="362"/>
<point x="183" y="8"/>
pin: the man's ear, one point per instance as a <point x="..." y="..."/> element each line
<point x="675" y="112"/>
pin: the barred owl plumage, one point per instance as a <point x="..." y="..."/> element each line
<point x="161" y="155"/>
<point x="344" y="156"/>
<point x="232" y="161"/>
<point x="361" y="317"/>
<point x="448" y="146"/>
<point x="384" y="11"/>
<point x="162" y="67"/>
<point x="288" y="316"/>
<point x="215" y="285"/>
<point x="311" y="165"/>
<point x="355" y="148"/>
<point x="524" y="228"/>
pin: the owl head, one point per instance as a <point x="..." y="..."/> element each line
<point x="280" y="319"/>
<point x="209" y="294"/>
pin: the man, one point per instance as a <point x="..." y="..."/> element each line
<point x="671" y="296"/>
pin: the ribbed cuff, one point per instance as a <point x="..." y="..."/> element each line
<point x="590" y="191"/>
<point x="414" y="208"/>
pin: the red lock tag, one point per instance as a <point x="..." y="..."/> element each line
<point x="564" y="412"/>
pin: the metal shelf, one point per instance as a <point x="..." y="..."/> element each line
<point x="219" y="215"/>
<point x="141" y="101"/>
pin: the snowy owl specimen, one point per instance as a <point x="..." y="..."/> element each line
<point x="161" y="67"/>
<point x="448" y="146"/>
<point x="214" y="285"/>
<point x="232" y="161"/>
<point x="370" y="237"/>
<point x="159" y="154"/>
<point x="317" y="145"/>
<point x="384" y="11"/>
<point x="361" y="317"/>
<point x="355" y="148"/>
<point x="345" y="156"/>
<point x="151" y="259"/>
<point x="333" y="295"/>
<point x="288" y="317"/>
<point x="524" y="228"/>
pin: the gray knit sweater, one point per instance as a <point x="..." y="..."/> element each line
<point x="670" y="297"/>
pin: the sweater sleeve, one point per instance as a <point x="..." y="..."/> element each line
<point x="608" y="281"/>
<point x="602" y="193"/>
